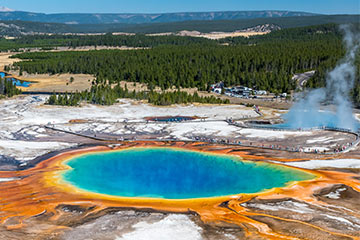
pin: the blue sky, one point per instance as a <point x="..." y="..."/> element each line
<point x="158" y="6"/>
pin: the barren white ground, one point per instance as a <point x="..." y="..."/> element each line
<point x="22" y="121"/>
<point x="23" y="137"/>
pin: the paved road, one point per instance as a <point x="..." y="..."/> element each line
<point x="302" y="78"/>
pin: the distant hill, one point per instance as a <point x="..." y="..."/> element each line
<point x="75" y="18"/>
<point x="17" y="28"/>
<point x="219" y="25"/>
<point x="5" y="9"/>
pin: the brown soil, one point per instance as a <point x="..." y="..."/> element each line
<point x="57" y="83"/>
<point x="6" y="60"/>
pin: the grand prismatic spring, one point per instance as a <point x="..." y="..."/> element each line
<point x="174" y="174"/>
<point x="167" y="177"/>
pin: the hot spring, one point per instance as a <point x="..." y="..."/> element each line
<point x="170" y="173"/>
<point x="307" y="120"/>
<point x="312" y="119"/>
<point x="16" y="82"/>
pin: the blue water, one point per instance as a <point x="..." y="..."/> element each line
<point x="173" y="119"/>
<point x="174" y="174"/>
<point x="19" y="83"/>
<point x="307" y="120"/>
<point x="15" y="81"/>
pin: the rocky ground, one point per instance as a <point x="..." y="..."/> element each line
<point x="24" y="136"/>
<point x="24" y="139"/>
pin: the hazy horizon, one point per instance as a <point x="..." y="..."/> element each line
<point x="163" y="6"/>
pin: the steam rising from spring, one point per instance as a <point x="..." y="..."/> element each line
<point x="306" y="113"/>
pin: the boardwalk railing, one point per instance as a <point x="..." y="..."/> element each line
<point x="345" y="148"/>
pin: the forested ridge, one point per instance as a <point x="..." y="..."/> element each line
<point x="141" y="40"/>
<point x="269" y="66"/>
<point x="260" y="62"/>
<point x="265" y="62"/>
<point x="72" y="41"/>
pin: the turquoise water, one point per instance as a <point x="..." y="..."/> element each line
<point x="15" y="81"/>
<point x="306" y="120"/>
<point x="174" y="174"/>
<point x="19" y="83"/>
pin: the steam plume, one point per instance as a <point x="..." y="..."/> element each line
<point x="306" y="112"/>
